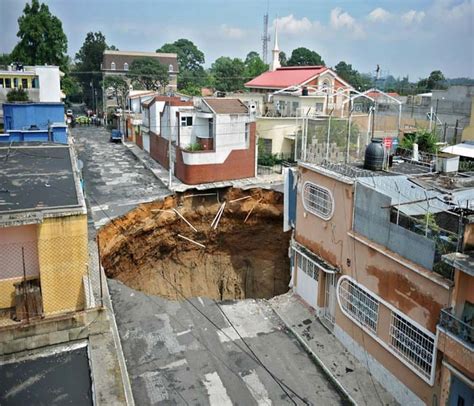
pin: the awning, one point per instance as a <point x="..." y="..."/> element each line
<point x="316" y="259"/>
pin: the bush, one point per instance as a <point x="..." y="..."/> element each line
<point x="425" y="139"/>
<point x="195" y="146"/>
<point x="17" y="95"/>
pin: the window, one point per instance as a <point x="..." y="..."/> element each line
<point x="15" y="83"/>
<point x="170" y="68"/>
<point x="308" y="267"/>
<point x="359" y="304"/>
<point x="318" y="200"/>
<point x="319" y="107"/>
<point x="186" y="121"/>
<point x="326" y="86"/>
<point x="414" y="345"/>
<point x="8" y="83"/>
<point x="34" y="83"/>
<point x="2" y="83"/>
<point x="112" y="66"/>
<point x="125" y="66"/>
<point x="266" y="146"/>
<point x="247" y="134"/>
<point x="24" y="83"/>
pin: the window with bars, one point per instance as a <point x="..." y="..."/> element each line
<point x="318" y="200"/>
<point x="411" y="343"/>
<point x="360" y="304"/>
<point x="308" y="267"/>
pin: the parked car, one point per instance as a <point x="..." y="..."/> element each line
<point x="116" y="136"/>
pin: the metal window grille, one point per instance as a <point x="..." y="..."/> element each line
<point x="412" y="344"/>
<point x="308" y="267"/>
<point x="318" y="200"/>
<point x="359" y="304"/>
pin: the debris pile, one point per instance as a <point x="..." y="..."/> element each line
<point x="223" y="245"/>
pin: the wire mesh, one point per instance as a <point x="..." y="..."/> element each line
<point x="47" y="277"/>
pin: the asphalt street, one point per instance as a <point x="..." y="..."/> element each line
<point x="192" y="352"/>
<point x="114" y="180"/>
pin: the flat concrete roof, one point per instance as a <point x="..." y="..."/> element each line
<point x="36" y="177"/>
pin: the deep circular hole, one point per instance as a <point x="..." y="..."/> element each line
<point x="149" y="249"/>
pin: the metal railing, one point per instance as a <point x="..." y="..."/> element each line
<point x="459" y="328"/>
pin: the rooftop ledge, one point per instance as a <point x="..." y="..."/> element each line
<point x="463" y="262"/>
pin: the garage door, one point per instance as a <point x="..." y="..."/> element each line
<point x="307" y="280"/>
<point x="146" y="142"/>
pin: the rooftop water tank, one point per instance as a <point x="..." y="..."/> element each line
<point x="374" y="155"/>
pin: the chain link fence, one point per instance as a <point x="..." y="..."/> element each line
<point x="46" y="278"/>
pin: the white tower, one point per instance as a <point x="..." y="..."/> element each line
<point x="276" y="53"/>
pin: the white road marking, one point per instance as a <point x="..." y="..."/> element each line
<point x="216" y="390"/>
<point x="183" y="332"/>
<point x="256" y="388"/>
<point x="201" y="301"/>
<point x="99" y="208"/>
<point x="175" y="364"/>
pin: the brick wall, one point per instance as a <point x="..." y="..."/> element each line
<point x="159" y="149"/>
<point x="239" y="164"/>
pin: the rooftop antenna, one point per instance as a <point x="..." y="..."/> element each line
<point x="265" y="37"/>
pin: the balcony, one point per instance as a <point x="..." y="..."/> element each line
<point x="460" y="329"/>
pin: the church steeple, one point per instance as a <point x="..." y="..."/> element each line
<point x="275" y="52"/>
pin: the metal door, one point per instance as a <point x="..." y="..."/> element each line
<point x="330" y="298"/>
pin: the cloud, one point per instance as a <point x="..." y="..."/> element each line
<point x="291" y="25"/>
<point x="379" y="15"/>
<point x="413" y="16"/>
<point x="340" y="19"/>
<point x="232" y="32"/>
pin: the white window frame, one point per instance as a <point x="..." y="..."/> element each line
<point x="125" y="66"/>
<point x="113" y="66"/>
<point x="360" y="304"/>
<point x="170" y="68"/>
<point x="428" y="378"/>
<point x="325" y="216"/>
<point x="307" y="265"/>
<point x="411" y="343"/>
<point x="184" y="121"/>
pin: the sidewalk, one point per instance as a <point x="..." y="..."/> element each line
<point x="350" y="375"/>
<point x="274" y="181"/>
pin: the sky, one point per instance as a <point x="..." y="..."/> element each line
<point x="404" y="37"/>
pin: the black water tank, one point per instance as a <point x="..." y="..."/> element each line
<point x="304" y="91"/>
<point x="374" y="155"/>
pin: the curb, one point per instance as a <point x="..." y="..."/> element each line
<point x="339" y="387"/>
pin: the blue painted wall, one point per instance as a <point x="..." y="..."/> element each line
<point x="21" y="116"/>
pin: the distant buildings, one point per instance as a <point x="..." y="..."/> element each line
<point x="386" y="260"/>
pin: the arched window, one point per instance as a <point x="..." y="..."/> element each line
<point x="125" y="66"/>
<point x="112" y="66"/>
<point x="318" y="200"/>
<point x="326" y="86"/>
<point x="170" y="68"/>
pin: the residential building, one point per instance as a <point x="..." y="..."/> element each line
<point x="34" y="122"/>
<point x="211" y="140"/>
<point x="42" y="83"/>
<point x="43" y="234"/>
<point x="119" y="62"/>
<point x="381" y="256"/>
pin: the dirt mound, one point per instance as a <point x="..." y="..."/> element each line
<point x="147" y="249"/>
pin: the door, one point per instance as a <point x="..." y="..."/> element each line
<point x="307" y="280"/>
<point x="330" y="298"/>
<point x="146" y="142"/>
<point x="460" y="394"/>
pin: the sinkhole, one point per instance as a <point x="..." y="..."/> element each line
<point x="237" y="254"/>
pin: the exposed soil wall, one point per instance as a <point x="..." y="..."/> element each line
<point x="239" y="260"/>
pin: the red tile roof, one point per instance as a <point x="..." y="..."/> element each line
<point x="375" y="94"/>
<point x="285" y="77"/>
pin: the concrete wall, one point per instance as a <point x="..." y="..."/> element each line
<point x="468" y="132"/>
<point x="276" y="129"/>
<point x="63" y="261"/>
<point x="49" y="83"/>
<point x="22" y="116"/>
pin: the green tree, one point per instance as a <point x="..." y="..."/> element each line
<point x="425" y="139"/>
<point x="352" y="76"/>
<point x="149" y="74"/>
<point x="228" y="74"/>
<point x="118" y="86"/>
<point x="5" y="60"/>
<point x="254" y="65"/>
<point x="42" y="39"/>
<point x="70" y="86"/>
<point x="436" y="80"/>
<point x="190" y="60"/>
<point x="17" y="95"/>
<point x="88" y="60"/>
<point x="304" y="57"/>
<point x="283" y="58"/>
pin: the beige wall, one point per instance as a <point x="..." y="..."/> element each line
<point x="413" y="294"/>
<point x="276" y="129"/>
<point x="468" y="132"/>
<point x="63" y="259"/>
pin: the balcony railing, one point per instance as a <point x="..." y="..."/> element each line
<point x="457" y="327"/>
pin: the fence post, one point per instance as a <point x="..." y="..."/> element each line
<point x="444" y="133"/>
<point x="456" y="131"/>
<point x="25" y="293"/>
<point x="100" y="272"/>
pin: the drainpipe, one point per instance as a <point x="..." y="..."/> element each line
<point x="49" y="132"/>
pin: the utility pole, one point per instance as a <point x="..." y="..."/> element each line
<point x="265" y="37"/>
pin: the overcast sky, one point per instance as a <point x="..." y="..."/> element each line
<point x="404" y="37"/>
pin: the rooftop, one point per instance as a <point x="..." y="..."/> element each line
<point x="226" y="106"/>
<point x="37" y="178"/>
<point x="139" y="53"/>
<point x="462" y="261"/>
<point x="286" y="77"/>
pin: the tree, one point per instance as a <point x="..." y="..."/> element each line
<point x="304" y="57"/>
<point x="352" y="76"/>
<point x="436" y="80"/>
<point x="70" y="86"/>
<point x="5" y="60"/>
<point x="42" y="39"/>
<point x="17" y="95"/>
<point x="254" y="65"/>
<point x="119" y="87"/>
<point x="228" y="74"/>
<point x="88" y="60"/>
<point x="149" y="74"/>
<point x="283" y="58"/>
<point x="190" y="60"/>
